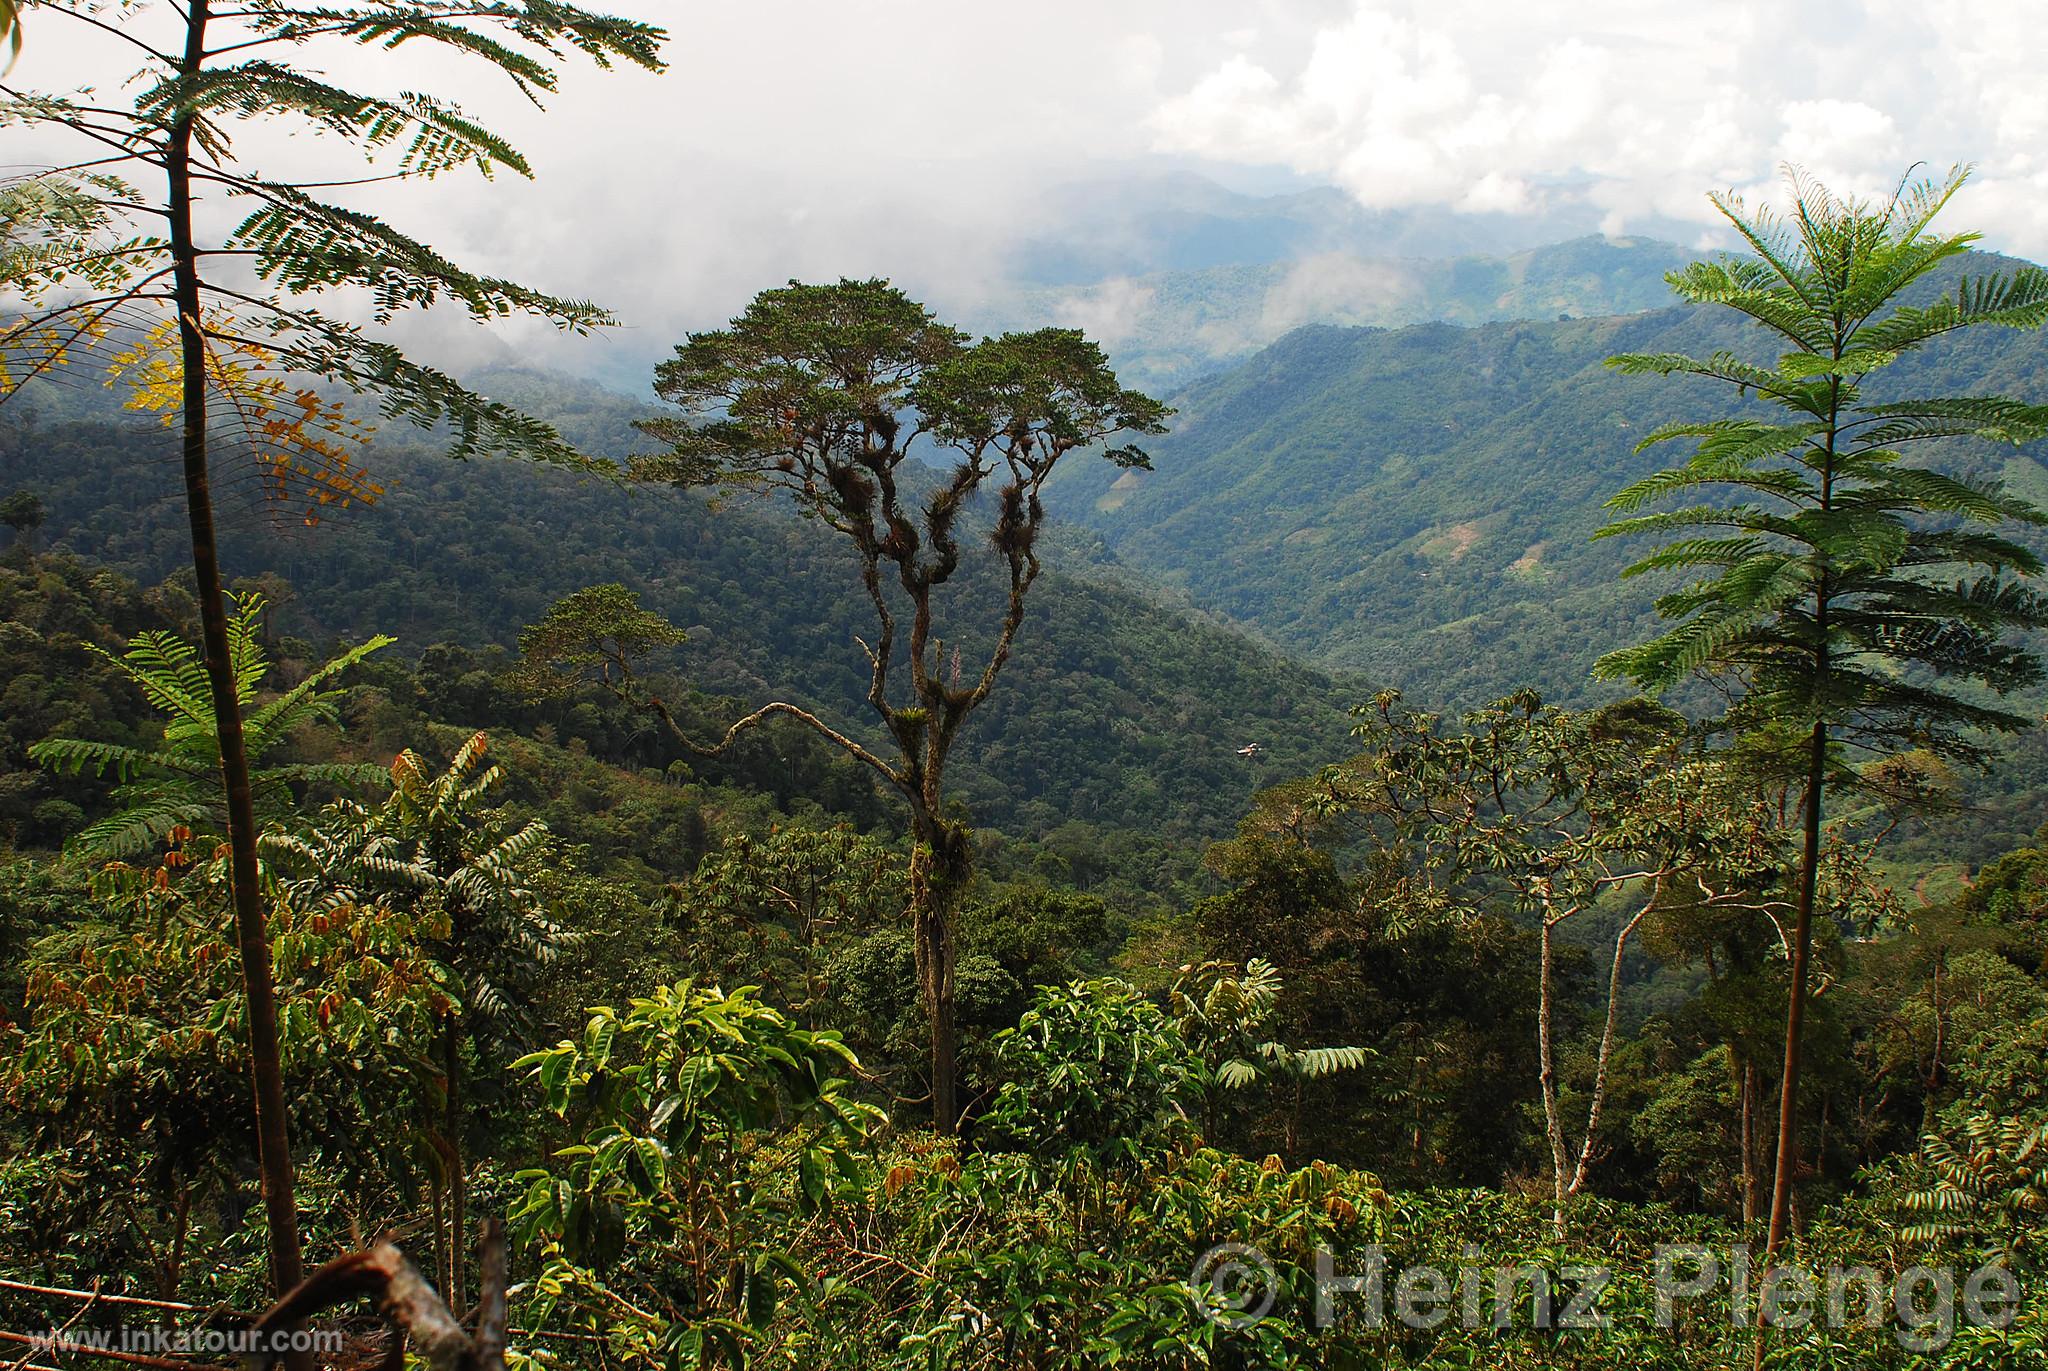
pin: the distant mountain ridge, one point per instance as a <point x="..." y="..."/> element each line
<point x="1117" y="708"/>
<point x="1168" y="328"/>
<point x="1152" y="222"/>
<point x="1416" y="504"/>
<point x="1178" y="276"/>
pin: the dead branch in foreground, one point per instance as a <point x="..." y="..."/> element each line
<point x="414" y="1310"/>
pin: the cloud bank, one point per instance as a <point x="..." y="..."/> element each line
<point x="922" y="140"/>
<point x="1637" y="108"/>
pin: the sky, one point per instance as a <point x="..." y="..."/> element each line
<point x="922" y="139"/>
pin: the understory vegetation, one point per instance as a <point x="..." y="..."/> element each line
<point x="1327" y="1039"/>
<point x="761" y="893"/>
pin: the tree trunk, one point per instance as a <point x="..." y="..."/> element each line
<point x="1795" y="1011"/>
<point x="1608" y="1031"/>
<point x="1750" y="1188"/>
<point x="1931" y="1081"/>
<point x="939" y="869"/>
<point x="1569" y="1177"/>
<point x="252" y="938"/>
<point x="437" y="1224"/>
<point x="458" y="1174"/>
<point x="1553" y="1125"/>
<point x="181" y="1226"/>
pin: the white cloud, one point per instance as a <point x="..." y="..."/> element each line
<point x="1638" y="109"/>
<point x="1840" y="141"/>
<point x="915" y="138"/>
<point x="1109" y="312"/>
<point x="806" y="138"/>
<point x="1496" y="193"/>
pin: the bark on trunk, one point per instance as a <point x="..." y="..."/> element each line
<point x="251" y="936"/>
<point x="458" y="1177"/>
<point x="1609" y="1030"/>
<point x="1795" y="1014"/>
<point x="1750" y="1189"/>
<point x="1553" y="1125"/>
<point x="939" y="870"/>
<point x="1795" y="1011"/>
<point x="1932" y="1079"/>
<point x="1569" y="1175"/>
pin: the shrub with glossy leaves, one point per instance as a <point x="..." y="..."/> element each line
<point x="707" y="1126"/>
<point x="1093" y="1067"/>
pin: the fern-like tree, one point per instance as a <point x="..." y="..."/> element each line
<point x="1224" y="1014"/>
<point x="1848" y="593"/>
<point x="176" y="785"/>
<point x="224" y="323"/>
<point x="463" y="871"/>
<point x="926" y="453"/>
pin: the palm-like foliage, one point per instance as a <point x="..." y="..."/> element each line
<point x="177" y="784"/>
<point x="1224" y="1014"/>
<point x="1845" y="581"/>
<point x="1990" y="1180"/>
<point x="1223" y="1011"/>
<point x="1847" y="591"/>
<point x="435" y="843"/>
<point x="1981" y="1179"/>
<point x="464" y="871"/>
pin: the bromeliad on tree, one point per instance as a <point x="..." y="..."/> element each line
<point x="916" y="446"/>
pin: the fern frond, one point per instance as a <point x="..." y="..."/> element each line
<point x="1721" y="366"/>
<point x="72" y="756"/>
<point x="1317" y="1062"/>
<point x="1692" y="552"/>
<point x="1236" y="1074"/>
<point x="2017" y="301"/>
<point x="280" y="715"/>
<point x="137" y="828"/>
<point x="302" y="245"/>
<point x="415" y="394"/>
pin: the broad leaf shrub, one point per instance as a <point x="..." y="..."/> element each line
<point x="130" y="1064"/>
<point x="1094" y="1071"/>
<point x="728" y="1205"/>
<point x="710" y="1130"/>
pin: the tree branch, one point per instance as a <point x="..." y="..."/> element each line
<point x="407" y="1302"/>
<point x="762" y="715"/>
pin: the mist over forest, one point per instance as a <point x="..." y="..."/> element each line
<point x="1147" y="689"/>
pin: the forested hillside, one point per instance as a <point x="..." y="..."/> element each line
<point x="1416" y="505"/>
<point x="1119" y="709"/>
<point x="1167" y="328"/>
<point x="895" y="848"/>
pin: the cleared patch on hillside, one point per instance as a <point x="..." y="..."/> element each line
<point x="1529" y="566"/>
<point x="1117" y="495"/>
<point x="1454" y="542"/>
